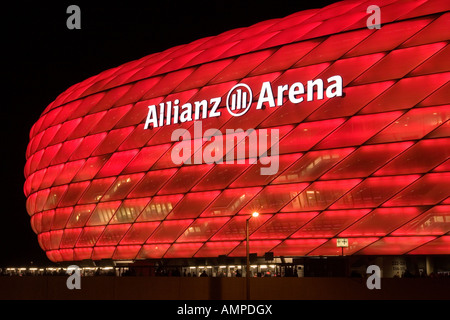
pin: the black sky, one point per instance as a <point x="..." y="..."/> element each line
<point x="42" y="58"/>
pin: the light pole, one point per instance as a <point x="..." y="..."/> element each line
<point x="247" y="268"/>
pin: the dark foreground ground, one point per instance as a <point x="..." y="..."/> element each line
<point x="183" y="288"/>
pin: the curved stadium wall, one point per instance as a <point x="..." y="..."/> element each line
<point x="370" y="164"/>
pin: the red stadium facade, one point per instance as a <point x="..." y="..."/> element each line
<point x="359" y="121"/>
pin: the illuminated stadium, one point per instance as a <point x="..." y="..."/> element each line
<point x="354" y="121"/>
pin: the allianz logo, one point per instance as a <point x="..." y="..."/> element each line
<point x="239" y="101"/>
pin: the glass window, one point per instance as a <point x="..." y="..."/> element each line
<point x="122" y="186"/>
<point x="395" y="245"/>
<point x="182" y="250"/>
<point x="96" y="190"/>
<point x="80" y="215"/>
<point x="320" y="195"/>
<point x="297" y="247"/>
<point x="381" y="221"/>
<point x="282" y="225"/>
<point x="193" y="205"/>
<point x="113" y="234"/>
<point x="214" y="249"/>
<point x="139" y="233"/>
<point x="89" y="236"/>
<point x="159" y="207"/>
<point x="273" y="198"/>
<point x="365" y="160"/>
<point x="235" y="228"/>
<point x="328" y="223"/>
<point x="373" y="191"/>
<point x="202" y="229"/>
<point x="169" y="230"/>
<point x="102" y="213"/>
<point x="260" y="247"/>
<point x="230" y="201"/>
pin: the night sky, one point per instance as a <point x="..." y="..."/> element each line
<point x="42" y="58"/>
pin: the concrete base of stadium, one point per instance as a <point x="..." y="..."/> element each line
<point x="181" y="288"/>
